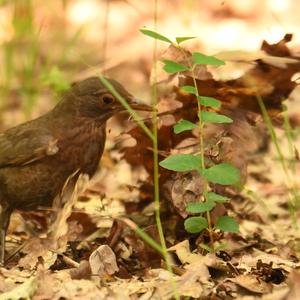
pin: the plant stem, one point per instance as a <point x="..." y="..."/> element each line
<point x="201" y="145"/>
<point x="134" y="114"/>
<point x="292" y="190"/>
<point x="290" y="139"/>
<point x="155" y="161"/>
<point x="148" y="239"/>
<point x="201" y="140"/>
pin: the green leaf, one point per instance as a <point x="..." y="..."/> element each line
<point x="200" y="207"/>
<point x="173" y="67"/>
<point x="227" y="224"/>
<point x="202" y="59"/>
<point x="155" y="35"/>
<point x="195" y="224"/>
<point x="181" y="162"/>
<point x="55" y="79"/>
<point x="213" y="197"/>
<point x="212" y="117"/>
<point x="209" y="101"/>
<point x="206" y="247"/>
<point x="184" y="125"/>
<point x="181" y="39"/>
<point x="189" y="89"/>
<point x="224" y="173"/>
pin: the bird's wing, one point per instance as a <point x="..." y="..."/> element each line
<point x="24" y="144"/>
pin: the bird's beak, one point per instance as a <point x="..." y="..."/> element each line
<point x="139" y="106"/>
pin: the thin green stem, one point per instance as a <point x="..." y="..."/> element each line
<point x="290" y="138"/>
<point x="148" y="239"/>
<point x="201" y="140"/>
<point x="155" y="140"/>
<point x="155" y="161"/>
<point x="272" y="133"/>
<point x="134" y="114"/>
<point x="292" y="190"/>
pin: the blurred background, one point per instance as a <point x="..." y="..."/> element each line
<point x="46" y="45"/>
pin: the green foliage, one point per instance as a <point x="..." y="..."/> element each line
<point x="181" y="39"/>
<point x="189" y="89"/>
<point x="55" y="79"/>
<point x="201" y="59"/>
<point x="195" y="224"/>
<point x="227" y="224"/>
<point x="209" y="101"/>
<point x="25" y="66"/>
<point x="160" y="37"/>
<point x="181" y="162"/>
<point x="212" y="117"/>
<point x="224" y="173"/>
<point x="155" y="35"/>
<point x="184" y="125"/>
<point x="211" y="196"/>
<point x="200" y="207"/>
<point x="173" y="67"/>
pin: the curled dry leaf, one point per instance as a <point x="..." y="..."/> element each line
<point x="72" y="189"/>
<point x="248" y="57"/>
<point x="103" y="261"/>
<point x="182" y="189"/>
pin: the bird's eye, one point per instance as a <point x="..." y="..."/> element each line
<point x="108" y="99"/>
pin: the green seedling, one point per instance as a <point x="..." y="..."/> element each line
<point x="223" y="173"/>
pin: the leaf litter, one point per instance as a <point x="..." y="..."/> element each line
<point x="94" y="254"/>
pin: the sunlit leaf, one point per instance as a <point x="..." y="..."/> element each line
<point x="209" y="101"/>
<point x="181" y="162"/>
<point x="224" y="173"/>
<point x="212" y="117"/>
<point x="174" y="67"/>
<point x="227" y="224"/>
<point x="211" y="196"/>
<point x="195" y="224"/>
<point x="181" y="39"/>
<point x="189" y="89"/>
<point x="184" y="125"/>
<point x="155" y="35"/>
<point x="202" y="59"/>
<point x="200" y="207"/>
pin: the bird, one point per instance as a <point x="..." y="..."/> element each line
<point x="38" y="156"/>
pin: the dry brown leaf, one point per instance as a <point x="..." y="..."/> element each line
<point x="103" y="261"/>
<point x="294" y="283"/>
<point x="252" y="284"/>
<point x="68" y="197"/>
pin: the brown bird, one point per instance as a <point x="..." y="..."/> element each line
<point x="37" y="157"/>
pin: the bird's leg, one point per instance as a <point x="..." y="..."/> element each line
<point x="5" y="213"/>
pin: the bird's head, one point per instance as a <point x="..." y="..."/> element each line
<point x="90" y="98"/>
